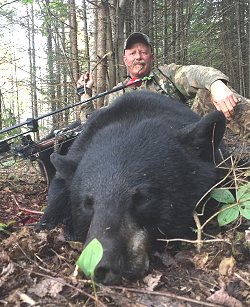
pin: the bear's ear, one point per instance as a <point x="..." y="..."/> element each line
<point x="64" y="166"/>
<point x="204" y="136"/>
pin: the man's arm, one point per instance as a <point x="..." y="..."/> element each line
<point x="223" y="98"/>
<point x="86" y="82"/>
<point x="188" y="79"/>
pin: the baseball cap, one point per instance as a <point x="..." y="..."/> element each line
<point x="137" y="36"/>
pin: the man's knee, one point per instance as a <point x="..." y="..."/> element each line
<point x="240" y="124"/>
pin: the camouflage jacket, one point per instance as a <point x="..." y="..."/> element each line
<point x="191" y="84"/>
<point x="176" y="81"/>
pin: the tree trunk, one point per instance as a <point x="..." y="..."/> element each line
<point x="64" y="78"/>
<point x="33" y="70"/>
<point x="119" y="44"/>
<point x="174" y="33"/>
<point x="110" y="53"/>
<point x="248" y="53"/>
<point x="111" y="43"/>
<point x="240" y="60"/>
<point x="74" y="48"/>
<point x="101" y="51"/>
<point x="85" y="33"/>
<point x="1" y="109"/>
<point x="50" y="63"/>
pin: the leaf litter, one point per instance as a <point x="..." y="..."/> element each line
<point x="37" y="268"/>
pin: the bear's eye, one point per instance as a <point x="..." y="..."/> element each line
<point x="140" y="202"/>
<point x="88" y="202"/>
<point x="137" y="197"/>
<point x="140" y="198"/>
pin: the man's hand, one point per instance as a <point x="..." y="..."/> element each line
<point x="86" y="80"/>
<point x="223" y="98"/>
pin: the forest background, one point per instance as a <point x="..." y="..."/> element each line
<point x="45" y="46"/>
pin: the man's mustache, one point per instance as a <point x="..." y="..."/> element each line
<point x="137" y="63"/>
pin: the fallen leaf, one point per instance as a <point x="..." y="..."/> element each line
<point x="221" y="297"/>
<point x="247" y="235"/>
<point x="26" y="299"/>
<point x="6" y="271"/>
<point x="47" y="287"/>
<point x="226" y="266"/>
<point x="200" y="260"/>
<point x="152" y="281"/>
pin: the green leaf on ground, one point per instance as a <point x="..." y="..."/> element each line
<point x="228" y="214"/>
<point x="90" y="257"/>
<point x="243" y="192"/>
<point x="223" y="196"/>
<point x="245" y="209"/>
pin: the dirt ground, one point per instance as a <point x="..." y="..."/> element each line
<point x="38" y="268"/>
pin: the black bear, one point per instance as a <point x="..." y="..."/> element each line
<point x="57" y="140"/>
<point x="134" y="175"/>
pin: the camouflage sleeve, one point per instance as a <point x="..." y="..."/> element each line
<point x="188" y="79"/>
<point x="111" y="97"/>
<point x="86" y="109"/>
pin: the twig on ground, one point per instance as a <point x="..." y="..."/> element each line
<point x="64" y="283"/>
<point x="25" y="209"/>
<point x="242" y="279"/>
<point x="199" y="231"/>
<point x="194" y="241"/>
<point x="165" y="294"/>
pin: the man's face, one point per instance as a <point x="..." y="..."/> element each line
<point x="138" y="60"/>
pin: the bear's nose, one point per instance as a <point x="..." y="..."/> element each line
<point x="107" y="272"/>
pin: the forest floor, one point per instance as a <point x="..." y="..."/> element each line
<point x="38" y="268"/>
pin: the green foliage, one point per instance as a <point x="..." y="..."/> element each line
<point x="4" y="227"/>
<point x="228" y="214"/>
<point x="90" y="257"/>
<point x="223" y="196"/>
<point x="204" y="35"/>
<point x="8" y="120"/>
<point x="232" y="207"/>
<point x="27" y="1"/>
<point x="59" y="10"/>
<point x="8" y="162"/>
